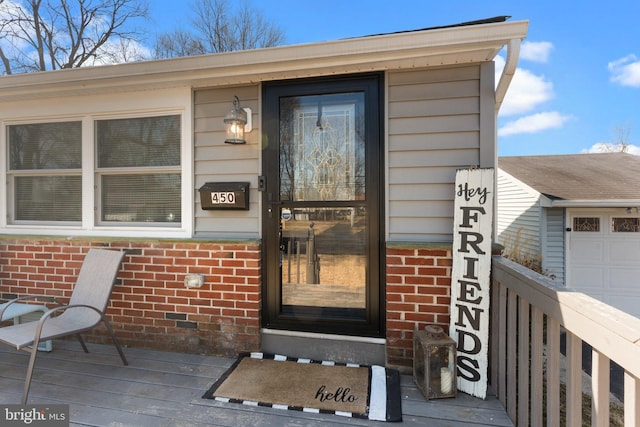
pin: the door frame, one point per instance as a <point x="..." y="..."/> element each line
<point x="373" y="324"/>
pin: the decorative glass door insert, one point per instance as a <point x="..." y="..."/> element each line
<point x="319" y="212"/>
<point x="323" y="248"/>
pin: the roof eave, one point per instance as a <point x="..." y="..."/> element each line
<point x="613" y="203"/>
<point x="435" y="47"/>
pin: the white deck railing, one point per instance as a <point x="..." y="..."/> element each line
<point x="529" y="311"/>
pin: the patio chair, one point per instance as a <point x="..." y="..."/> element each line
<point x="85" y="310"/>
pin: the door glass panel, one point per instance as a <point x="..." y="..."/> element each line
<point x="322" y="148"/>
<point x="323" y="257"/>
<point x="323" y="240"/>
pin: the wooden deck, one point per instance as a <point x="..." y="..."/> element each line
<point x="164" y="389"/>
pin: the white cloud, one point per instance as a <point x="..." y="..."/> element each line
<point x="605" y="147"/>
<point x="535" y="51"/>
<point x="534" y="123"/>
<point x="526" y="91"/>
<point x="117" y="51"/>
<point x="626" y="71"/>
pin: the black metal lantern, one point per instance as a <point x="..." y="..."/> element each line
<point x="434" y="363"/>
<point x="237" y="122"/>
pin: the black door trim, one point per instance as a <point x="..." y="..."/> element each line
<point x="371" y="323"/>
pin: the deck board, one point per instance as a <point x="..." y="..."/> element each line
<point x="164" y="389"/>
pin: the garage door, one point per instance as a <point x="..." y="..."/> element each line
<point x="603" y="257"/>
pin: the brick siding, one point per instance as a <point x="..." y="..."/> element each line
<point x="150" y="306"/>
<point x="418" y="294"/>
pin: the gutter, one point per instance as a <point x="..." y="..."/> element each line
<point x="612" y="203"/>
<point x="513" y="53"/>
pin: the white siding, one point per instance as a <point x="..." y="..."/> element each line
<point x="553" y="244"/>
<point x="518" y="219"/>
<point x="434" y="121"/>
<point x="216" y="161"/>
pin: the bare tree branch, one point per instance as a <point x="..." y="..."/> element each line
<point x="39" y="36"/>
<point x="220" y="28"/>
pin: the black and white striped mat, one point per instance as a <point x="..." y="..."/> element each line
<point x="383" y="400"/>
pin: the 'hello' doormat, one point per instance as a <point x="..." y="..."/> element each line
<point x="260" y="379"/>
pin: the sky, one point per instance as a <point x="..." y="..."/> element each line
<point x="578" y="78"/>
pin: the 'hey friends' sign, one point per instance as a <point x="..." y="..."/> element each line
<point x="470" y="279"/>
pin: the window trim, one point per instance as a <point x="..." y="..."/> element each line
<point x="9" y="215"/>
<point x="613" y="220"/>
<point x="576" y="217"/>
<point x="100" y="172"/>
<point x="89" y="225"/>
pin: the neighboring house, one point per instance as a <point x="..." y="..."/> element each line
<point x="343" y="241"/>
<point x="578" y="218"/>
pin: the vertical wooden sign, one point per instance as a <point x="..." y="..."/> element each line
<point x="470" y="281"/>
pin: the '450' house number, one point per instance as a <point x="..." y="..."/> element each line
<point x="225" y="195"/>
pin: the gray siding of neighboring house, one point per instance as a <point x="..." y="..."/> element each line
<point x="518" y="219"/>
<point x="434" y="122"/>
<point x="216" y="161"/>
<point x="553" y="244"/>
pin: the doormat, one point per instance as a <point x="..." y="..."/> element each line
<point x="281" y="382"/>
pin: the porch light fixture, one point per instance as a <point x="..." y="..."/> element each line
<point x="237" y="122"/>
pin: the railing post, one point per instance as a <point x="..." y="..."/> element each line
<point x="537" y="359"/>
<point x="553" y="373"/>
<point x="512" y="354"/>
<point x="600" y="385"/>
<point x="502" y="345"/>
<point x="495" y="335"/>
<point x="523" y="363"/>
<point x="574" y="380"/>
<point x="631" y="400"/>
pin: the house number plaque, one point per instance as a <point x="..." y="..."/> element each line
<point x="225" y="195"/>
<point x="223" y="198"/>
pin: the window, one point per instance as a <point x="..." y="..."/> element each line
<point x="45" y="172"/>
<point x="588" y="224"/>
<point x="625" y="225"/>
<point x="138" y="169"/>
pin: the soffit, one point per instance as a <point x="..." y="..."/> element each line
<point x="405" y="50"/>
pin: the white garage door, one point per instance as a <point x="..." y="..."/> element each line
<point x="603" y="257"/>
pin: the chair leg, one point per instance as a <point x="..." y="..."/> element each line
<point x="27" y="380"/>
<point x="84" y="346"/>
<point x="115" y="341"/>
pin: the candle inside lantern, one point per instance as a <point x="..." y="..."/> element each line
<point x="446" y="380"/>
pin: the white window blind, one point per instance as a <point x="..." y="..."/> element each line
<point x="44" y="172"/>
<point x="138" y="163"/>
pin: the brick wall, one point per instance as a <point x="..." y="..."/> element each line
<point x="150" y="306"/>
<point x="418" y="294"/>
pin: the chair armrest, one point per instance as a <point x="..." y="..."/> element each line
<point x="54" y="310"/>
<point x="6" y="305"/>
<point x="35" y="297"/>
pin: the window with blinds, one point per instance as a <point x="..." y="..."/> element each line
<point x="138" y="170"/>
<point x="45" y="172"/>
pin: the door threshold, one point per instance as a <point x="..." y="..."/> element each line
<point x="322" y="336"/>
<point x="320" y="346"/>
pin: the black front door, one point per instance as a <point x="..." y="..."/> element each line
<point x="322" y="205"/>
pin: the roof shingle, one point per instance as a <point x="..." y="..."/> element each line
<point x="604" y="176"/>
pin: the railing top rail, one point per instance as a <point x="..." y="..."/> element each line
<point x="612" y="332"/>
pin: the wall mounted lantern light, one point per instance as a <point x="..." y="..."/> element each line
<point x="237" y="122"/>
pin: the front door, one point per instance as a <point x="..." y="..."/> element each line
<point x="322" y="199"/>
